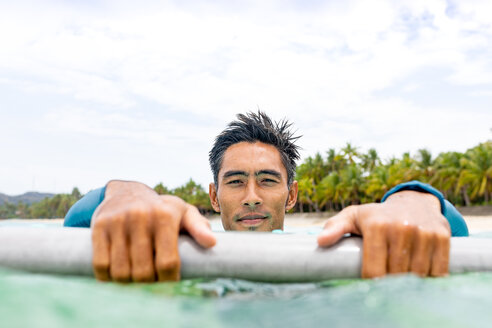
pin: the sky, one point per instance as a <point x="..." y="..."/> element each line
<point x="97" y="90"/>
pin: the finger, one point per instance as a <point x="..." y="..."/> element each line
<point x="141" y="251"/>
<point x="120" y="259"/>
<point x="198" y="227"/>
<point x="100" y="253"/>
<point x="337" y="226"/>
<point x="374" y="252"/>
<point x="167" y="263"/>
<point x="400" y="249"/>
<point x="440" y="258"/>
<point x="422" y="253"/>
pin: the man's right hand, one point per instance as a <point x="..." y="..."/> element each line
<point x="135" y="233"/>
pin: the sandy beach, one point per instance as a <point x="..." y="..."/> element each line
<point x="476" y="223"/>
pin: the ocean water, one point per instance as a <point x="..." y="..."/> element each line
<point x="33" y="300"/>
<point x="38" y="300"/>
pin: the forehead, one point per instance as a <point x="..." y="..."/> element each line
<point x="252" y="157"/>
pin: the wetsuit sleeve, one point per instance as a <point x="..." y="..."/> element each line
<point x="80" y="214"/>
<point x="455" y="219"/>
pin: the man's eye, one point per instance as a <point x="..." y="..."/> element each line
<point x="269" y="181"/>
<point x="234" y="182"/>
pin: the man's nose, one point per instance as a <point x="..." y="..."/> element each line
<point x="252" y="198"/>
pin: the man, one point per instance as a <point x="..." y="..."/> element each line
<point x="135" y="231"/>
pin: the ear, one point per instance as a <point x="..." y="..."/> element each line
<point x="212" y="193"/>
<point x="292" y="199"/>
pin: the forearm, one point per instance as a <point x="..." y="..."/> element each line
<point x="455" y="219"/>
<point x="81" y="213"/>
<point x="415" y="198"/>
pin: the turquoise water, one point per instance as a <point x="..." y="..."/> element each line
<point x="31" y="300"/>
<point x="36" y="300"/>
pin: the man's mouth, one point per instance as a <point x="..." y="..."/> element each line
<point x="252" y="218"/>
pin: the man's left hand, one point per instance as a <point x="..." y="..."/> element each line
<point x="406" y="233"/>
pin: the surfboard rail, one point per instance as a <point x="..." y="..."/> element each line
<point x="244" y="255"/>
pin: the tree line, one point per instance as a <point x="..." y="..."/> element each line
<point x="347" y="176"/>
<point x="335" y="180"/>
<point x="53" y="207"/>
<point x="58" y="205"/>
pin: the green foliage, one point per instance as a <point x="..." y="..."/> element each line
<point x="339" y="179"/>
<point x="7" y="211"/>
<point x="349" y="176"/>
<point x="58" y="205"/>
<point x="161" y="189"/>
<point x="191" y="192"/>
<point x="54" y="207"/>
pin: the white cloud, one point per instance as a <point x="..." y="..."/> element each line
<point x="322" y="66"/>
<point x="156" y="132"/>
<point x="227" y="59"/>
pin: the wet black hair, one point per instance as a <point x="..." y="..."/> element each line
<point x="252" y="127"/>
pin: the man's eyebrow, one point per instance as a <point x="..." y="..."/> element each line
<point x="233" y="173"/>
<point x="269" y="172"/>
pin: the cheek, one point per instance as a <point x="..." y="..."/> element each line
<point x="228" y="206"/>
<point x="278" y="203"/>
<point x="224" y="203"/>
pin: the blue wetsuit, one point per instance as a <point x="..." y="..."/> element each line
<point x="80" y="214"/>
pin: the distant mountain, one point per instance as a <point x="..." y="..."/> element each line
<point x="26" y="198"/>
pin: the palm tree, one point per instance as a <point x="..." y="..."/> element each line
<point x="351" y="182"/>
<point x="377" y="184"/>
<point x="350" y="152"/>
<point x="424" y="164"/>
<point x="370" y="160"/>
<point x="306" y="194"/>
<point x="477" y="171"/>
<point x="348" y="177"/>
<point x="328" y="192"/>
<point x="447" y="170"/>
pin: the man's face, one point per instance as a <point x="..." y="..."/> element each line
<point x="252" y="191"/>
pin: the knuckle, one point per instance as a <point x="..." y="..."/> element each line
<point x="166" y="264"/>
<point x="403" y="229"/>
<point x="168" y="214"/>
<point x="375" y="247"/>
<point x="117" y="220"/>
<point x="443" y="238"/>
<point x="377" y="225"/>
<point x="101" y="222"/>
<point x="136" y="217"/>
<point x="425" y="234"/>
<point x="166" y="211"/>
<point x="138" y="212"/>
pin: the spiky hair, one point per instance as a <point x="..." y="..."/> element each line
<point x="252" y="127"/>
